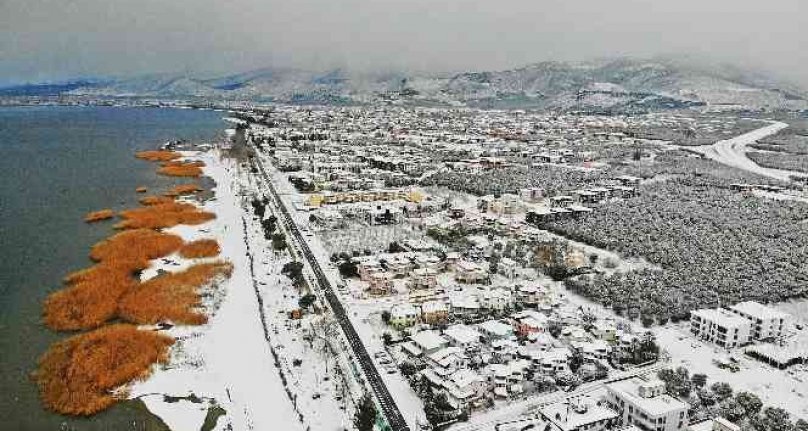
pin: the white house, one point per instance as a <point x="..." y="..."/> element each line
<point x="462" y="336"/>
<point x="495" y="330"/>
<point x="579" y="414"/>
<point x="429" y="341"/>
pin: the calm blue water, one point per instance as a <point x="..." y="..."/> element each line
<point x="58" y="163"/>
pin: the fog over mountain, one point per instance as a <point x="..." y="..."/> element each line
<point x="51" y="40"/>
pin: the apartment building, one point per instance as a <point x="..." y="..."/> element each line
<point x="720" y="327"/>
<point x="767" y="323"/>
<point x="644" y="404"/>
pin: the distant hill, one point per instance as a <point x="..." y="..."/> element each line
<point x="605" y="85"/>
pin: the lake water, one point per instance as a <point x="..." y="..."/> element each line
<point x="57" y="164"/>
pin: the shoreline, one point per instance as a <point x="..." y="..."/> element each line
<point x="225" y="363"/>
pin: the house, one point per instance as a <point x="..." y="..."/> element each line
<point x="528" y="322"/>
<point x="403" y="316"/>
<point x="423" y="278"/>
<point x="434" y="312"/>
<point x="578" y="414"/>
<point x="604" y="330"/>
<point x="645" y="404"/>
<point x="462" y="336"/>
<point x="380" y="283"/>
<point x="507" y="378"/>
<point x="720" y="327"/>
<point x="469" y="272"/>
<point x="495" y="330"/>
<point x="592" y="351"/>
<point x="367" y="267"/>
<point x="767" y="322"/>
<point x="553" y="361"/>
<point x="717" y="424"/>
<point x="464" y="388"/>
<point x="508" y="267"/>
<point x="447" y="360"/>
<point x="497" y="299"/>
<point x="429" y="342"/>
<point x="464" y="305"/>
<point x="561" y="201"/>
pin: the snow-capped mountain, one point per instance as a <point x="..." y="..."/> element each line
<point x="617" y="84"/>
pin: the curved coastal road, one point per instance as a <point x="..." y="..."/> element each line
<point x="732" y="152"/>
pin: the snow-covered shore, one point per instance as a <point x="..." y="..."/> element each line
<point x="226" y="362"/>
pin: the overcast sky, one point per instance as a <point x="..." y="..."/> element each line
<point x="55" y="39"/>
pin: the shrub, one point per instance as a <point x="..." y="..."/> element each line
<point x="95" y="216"/>
<point x="83" y="374"/>
<point x="200" y="248"/>
<point x="172" y="296"/>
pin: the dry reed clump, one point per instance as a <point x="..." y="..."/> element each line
<point x="134" y="248"/>
<point x="90" y="300"/>
<point x="173" y="296"/>
<point x="164" y="215"/>
<point x="156" y="200"/>
<point x="141" y="189"/>
<point x="83" y="374"/>
<point x="95" y="216"/>
<point x="158" y="155"/>
<point x="180" y="171"/>
<point x="92" y="295"/>
<point x="182" y="189"/>
<point x="200" y="248"/>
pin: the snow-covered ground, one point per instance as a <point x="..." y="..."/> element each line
<point x="780" y="388"/>
<point x="732" y="152"/>
<point x="226" y="362"/>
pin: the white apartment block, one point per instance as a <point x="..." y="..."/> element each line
<point x="767" y="323"/>
<point x="720" y="327"/>
<point x="644" y="404"/>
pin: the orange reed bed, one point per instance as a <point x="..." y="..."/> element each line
<point x="92" y="295"/>
<point x="180" y="171"/>
<point x="172" y="297"/>
<point x="95" y="216"/>
<point x="158" y="155"/>
<point x="84" y="374"/>
<point x="200" y="248"/>
<point x="135" y="247"/>
<point x="155" y="200"/>
<point x="90" y="302"/>
<point x="164" y="215"/>
<point x="183" y="189"/>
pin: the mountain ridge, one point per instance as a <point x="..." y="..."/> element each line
<point x="621" y="84"/>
